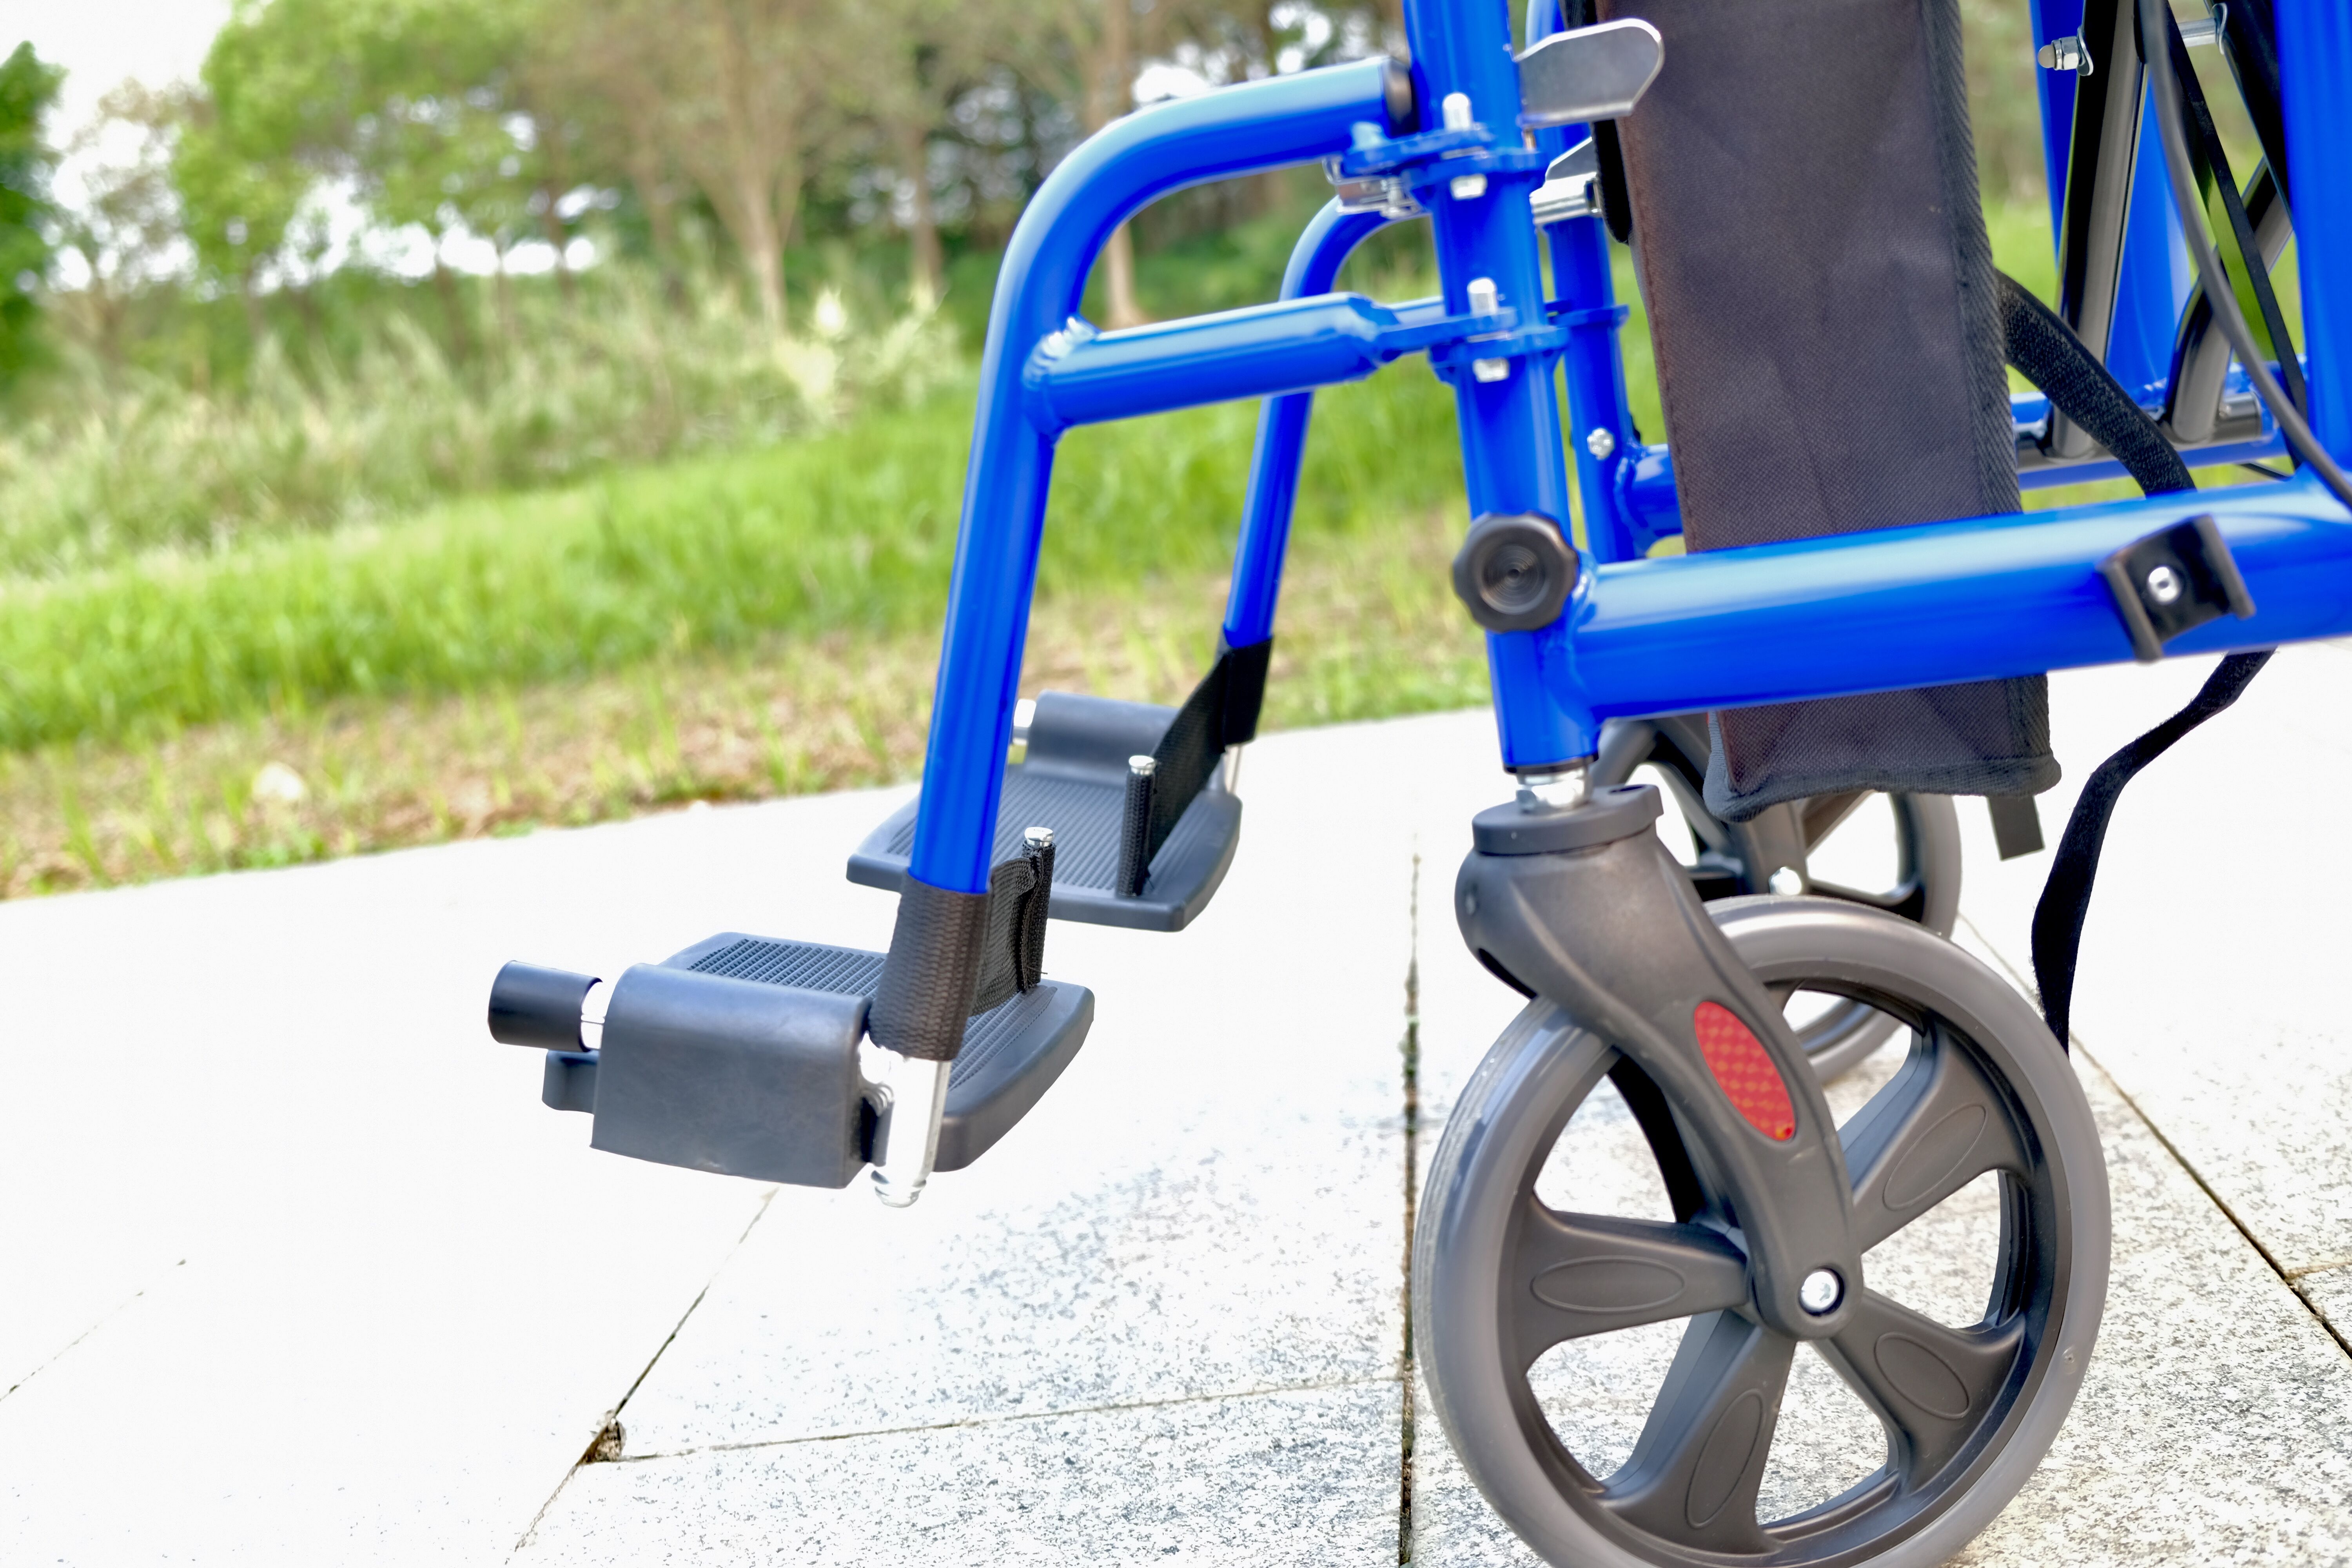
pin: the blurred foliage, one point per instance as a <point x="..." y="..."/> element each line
<point x="27" y="89"/>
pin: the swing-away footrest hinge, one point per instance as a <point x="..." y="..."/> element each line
<point x="740" y="1055"/>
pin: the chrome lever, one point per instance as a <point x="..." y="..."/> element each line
<point x="1590" y="73"/>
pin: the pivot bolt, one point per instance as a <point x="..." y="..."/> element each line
<point x="2066" y="53"/>
<point x="1786" y="880"/>
<point x="1599" y="442"/>
<point x="2164" y="585"/>
<point x="1821" y="1292"/>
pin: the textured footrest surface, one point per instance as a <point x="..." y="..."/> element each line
<point x="1074" y="781"/>
<point x="740" y="1056"/>
<point x="1012" y="1053"/>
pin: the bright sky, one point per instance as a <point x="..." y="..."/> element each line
<point x="102" y="42"/>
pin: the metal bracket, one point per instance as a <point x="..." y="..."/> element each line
<point x="2175" y="581"/>
<point x="1590" y="73"/>
<point x="1571" y="186"/>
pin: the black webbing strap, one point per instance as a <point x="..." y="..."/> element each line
<point x="1221" y="712"/>
<point x="954" y="955"/>
<point x="2045" y="350"/>
<point x="2066" y="898"/>
<point x="2051" y="356"/>
<point x="2213" y="166"/>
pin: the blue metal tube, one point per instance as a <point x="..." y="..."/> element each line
<point x="2056" y="19"/>
<point x="1511" y="460"/>
<point x="1965" y="600"/>
<point x="1315" y="261"/>
<point x="1077" y="379"/>
<point x="1591" y="365"/>
<point x="1235" y="130"/>
<point x="2315" y="47"/>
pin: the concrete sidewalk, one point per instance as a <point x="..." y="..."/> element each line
<point x="300" y="1271"/>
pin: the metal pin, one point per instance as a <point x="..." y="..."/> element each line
<point x="1557" y="788"/>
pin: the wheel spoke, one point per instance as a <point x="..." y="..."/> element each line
<point x="1932" y="1386"/>
<point x="1583" y="1274"/>
<point x="1695" y="1473"/>
<point x="1938" y="1125"/>
<point x="1909" y="900"/>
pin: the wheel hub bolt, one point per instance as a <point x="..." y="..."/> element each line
<point x="1822" y="1291"/>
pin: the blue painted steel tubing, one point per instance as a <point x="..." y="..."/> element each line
<point x="1235" y="130"/>
<point x="1287" y="347"/>
<point x="1965" y="600"/>
<point x="1315" y="261"/>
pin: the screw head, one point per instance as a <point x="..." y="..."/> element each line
<point x="1599" y="442"/>
<point x="1787" y="880"/>
<point x="1491" y="369"/>
<point x="2164" y="585"/>
<point x="1468" y="187"/>
<point x="1821" y="1292"/>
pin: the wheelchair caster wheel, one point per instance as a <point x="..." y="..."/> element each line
<point x="1538" y="1322"/>
<point x="1918" y="877"/>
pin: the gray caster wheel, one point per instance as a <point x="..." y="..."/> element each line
<point x="1543" y="1328"/>
<point x="1922" y="883"/>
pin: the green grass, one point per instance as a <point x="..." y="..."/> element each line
<point x="849" y="530"/>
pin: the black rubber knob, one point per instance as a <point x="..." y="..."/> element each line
<point x="1515" y="572"/>
<point x="539" y="1007"/>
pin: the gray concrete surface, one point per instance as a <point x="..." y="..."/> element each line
<point x="299" y="1271"/>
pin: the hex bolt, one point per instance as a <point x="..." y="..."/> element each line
<point x="2066" y="53"/>
<point x="1037" y="837"/>
<point x="1787" y="880"/>
<point x="1468" y="187"/>
<point x="1821" y="1292"/>
<point x="1491" y="369"/>
<point x="1600" y="443"/>
<point x="1454" y="111"/>
<point x="2164" y="585"/>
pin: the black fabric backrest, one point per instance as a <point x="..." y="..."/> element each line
<point x="1822" y="300"/>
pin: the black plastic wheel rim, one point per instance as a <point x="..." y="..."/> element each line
<point x="1945" y="1396"/>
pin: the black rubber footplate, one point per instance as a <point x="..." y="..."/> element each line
<point x="1012" y="1053"/>
<point x="1074" y="781"/>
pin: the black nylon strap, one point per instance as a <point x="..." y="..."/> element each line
<point x="1221" y="712"/>
<point x="2066" y="898"/>
<point x="2079" y="387"/>
<point x="2046" y="351"/>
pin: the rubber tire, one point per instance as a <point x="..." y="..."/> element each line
<point x="1504" y="1111"/>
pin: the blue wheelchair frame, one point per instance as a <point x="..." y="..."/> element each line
<point x="1966" y="599"/>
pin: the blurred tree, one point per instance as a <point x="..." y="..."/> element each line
<point x="904" y="65"/>
<point x="27" y="88"/>
<point x="124" y="228"/>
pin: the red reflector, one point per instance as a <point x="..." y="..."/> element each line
<point x="1746" y="1075"/>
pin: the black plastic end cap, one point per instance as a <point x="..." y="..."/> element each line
<point x="1405" y="111"/>
<point x="1515" y="572"/>
<point x="1618" y="811"/>
<point x="538" y="1007"/>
